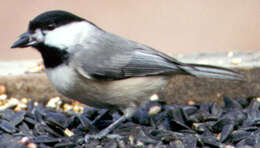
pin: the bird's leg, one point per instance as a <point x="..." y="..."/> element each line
<point x="102" y="113"/>
<point x="128" y="113"/>
<point x="107" y="130"/>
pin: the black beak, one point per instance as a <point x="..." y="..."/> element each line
<point x="23" y="41"/>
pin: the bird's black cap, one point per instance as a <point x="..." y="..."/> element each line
<point x="52" y="19"/>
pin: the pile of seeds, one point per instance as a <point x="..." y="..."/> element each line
<point x="34" y="125"/>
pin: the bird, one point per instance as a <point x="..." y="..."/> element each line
<point x="101" y="69"/>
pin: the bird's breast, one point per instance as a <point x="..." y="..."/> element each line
<point x="62" y="77"/>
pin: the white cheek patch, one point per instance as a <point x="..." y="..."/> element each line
<point x="68" y="35"/>
<point x="38" y="36"/>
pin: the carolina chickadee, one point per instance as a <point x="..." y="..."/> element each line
<point x="101" y="69"/>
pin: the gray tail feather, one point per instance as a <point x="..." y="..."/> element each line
<point x="208" y="71"/>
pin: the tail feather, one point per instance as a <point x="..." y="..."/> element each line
<point x="208" y="71"/>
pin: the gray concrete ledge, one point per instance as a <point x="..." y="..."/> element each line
<point x="226" y="59"/>
<point x="180" y="90"/>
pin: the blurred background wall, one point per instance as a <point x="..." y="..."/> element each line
<point x="172" y="26"/>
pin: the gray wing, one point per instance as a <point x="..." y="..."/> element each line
<point x="119" y="59"/>
<point x="107" y="56"/>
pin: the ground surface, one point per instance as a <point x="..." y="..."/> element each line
<point x="235" y="124"/>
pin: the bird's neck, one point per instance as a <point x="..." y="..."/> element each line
<point x="52" y="57"/>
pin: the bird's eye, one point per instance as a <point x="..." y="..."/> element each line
<point x="51" y="26"/>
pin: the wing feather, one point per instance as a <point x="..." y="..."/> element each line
<point x="119" y="63"/>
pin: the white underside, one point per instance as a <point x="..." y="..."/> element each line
<point x="104" y="94"/>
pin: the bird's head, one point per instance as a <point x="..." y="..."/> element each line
<point x="57" y="29"/>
